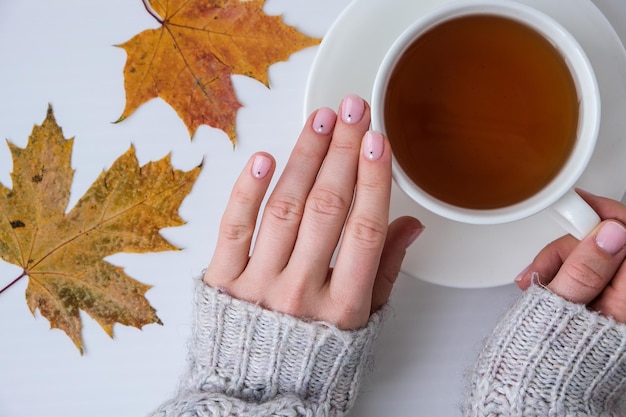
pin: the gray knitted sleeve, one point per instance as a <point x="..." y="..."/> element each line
<point x="549" y="357"/>
<point x="247" y="361"/>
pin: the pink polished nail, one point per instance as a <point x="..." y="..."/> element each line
<point x="611" y="238"/>
<point x="523" y="274"/>
<point x="413" y="236"/>
<point x="352" y="108"/>
<point x="261" y="166"/>
<point x="324" y="121"/>
<point x="373" y="145"/>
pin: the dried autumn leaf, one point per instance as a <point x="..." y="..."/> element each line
<point x="62" y="253"/>
<point x="189" y="60"/>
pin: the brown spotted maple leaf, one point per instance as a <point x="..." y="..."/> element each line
<point x="189" y="60"/>
<point x="62" y="253"/>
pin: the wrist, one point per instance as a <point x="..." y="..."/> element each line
<point x="257" y="355"/>
<point x="551" y="356"/>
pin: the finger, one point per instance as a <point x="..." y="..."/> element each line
<point x="592" y="264"/>
<point x="605" y="207"/>
<point x="358" y="259"/>
<point x="612" y="301"/>
<point x="547" y="262"/>
<point x="401" y="233"/>
<point x="285" y="206"/>
<point x="239" y="221"/>
<point x="329" y="201"/>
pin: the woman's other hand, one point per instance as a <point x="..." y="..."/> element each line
<point x="591" y="271"/>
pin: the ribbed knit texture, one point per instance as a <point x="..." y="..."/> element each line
<point x="247" y="361"/>
<point x="549" y="357"/>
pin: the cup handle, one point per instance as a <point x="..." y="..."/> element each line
<point x="575" y="215"/>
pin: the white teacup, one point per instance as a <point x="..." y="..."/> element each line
<point x="571" y="211"/>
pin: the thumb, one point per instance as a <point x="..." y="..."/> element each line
<point x="592" y="264"/>
<point x="401" y="233"/>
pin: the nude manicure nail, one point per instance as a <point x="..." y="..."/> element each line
<point x="261" y="166"/>
<point x="373" y="145"/>
<point x="324" y="121"/>
<point x="413" y="236"/>
<point x="522" y="274"/>
<point x="611" y="238"/>
<point x="352" y="109"/>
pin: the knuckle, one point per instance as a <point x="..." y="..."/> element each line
<point x="292" y="300"/>
<point x="236" y="231"/>
<point x="285" y="208"/>
<point x="234" y="225"/>
<point x="326" y="203"/>
<point x="374" y="182"/>
<point x="389" y="275"/>
<point x="308" y="153"/>
<point x="371" y="185"/>
<point x="367" y="232"/>
<point x="350" y="314"/>
<point x="583" y="276"/>
<point x="241" y="197"/>
<point x="346" y="146"/>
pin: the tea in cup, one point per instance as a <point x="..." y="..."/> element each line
<point x="492" y="110"/>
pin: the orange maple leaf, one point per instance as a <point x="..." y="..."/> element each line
<point x="62" y="253"/>
<point x="189" y="60"/>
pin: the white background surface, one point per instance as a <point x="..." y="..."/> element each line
<point x="64" y="55"/>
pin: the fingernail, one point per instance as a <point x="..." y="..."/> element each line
<point x="373" y="145"/>
<point x="522" y="274"/>
<point x="324" y="121"/>
<point x="352" y="108"/>
<point x="413" y="236"/>
<point x="583" y="191"/>
<point x="611" y="238"/>
<point x="261" y="166"/>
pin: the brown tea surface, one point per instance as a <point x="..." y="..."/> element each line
<point x="482" y="112"/>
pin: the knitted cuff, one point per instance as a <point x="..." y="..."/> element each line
<point x="550" y="357"/>
<point x="253" y="354"/>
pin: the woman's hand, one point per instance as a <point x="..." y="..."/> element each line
<point x="591" y="271"/>
<point x="338" y="178"/>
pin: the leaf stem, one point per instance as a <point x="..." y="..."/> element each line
<point x="13" y="282"/>
<point x="151" y="12"/>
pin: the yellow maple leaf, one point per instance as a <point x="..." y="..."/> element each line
<point x="189" y="60"/>
<point x="62" y="253"/>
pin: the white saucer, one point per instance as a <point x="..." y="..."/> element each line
<point x="456" y="254"/>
